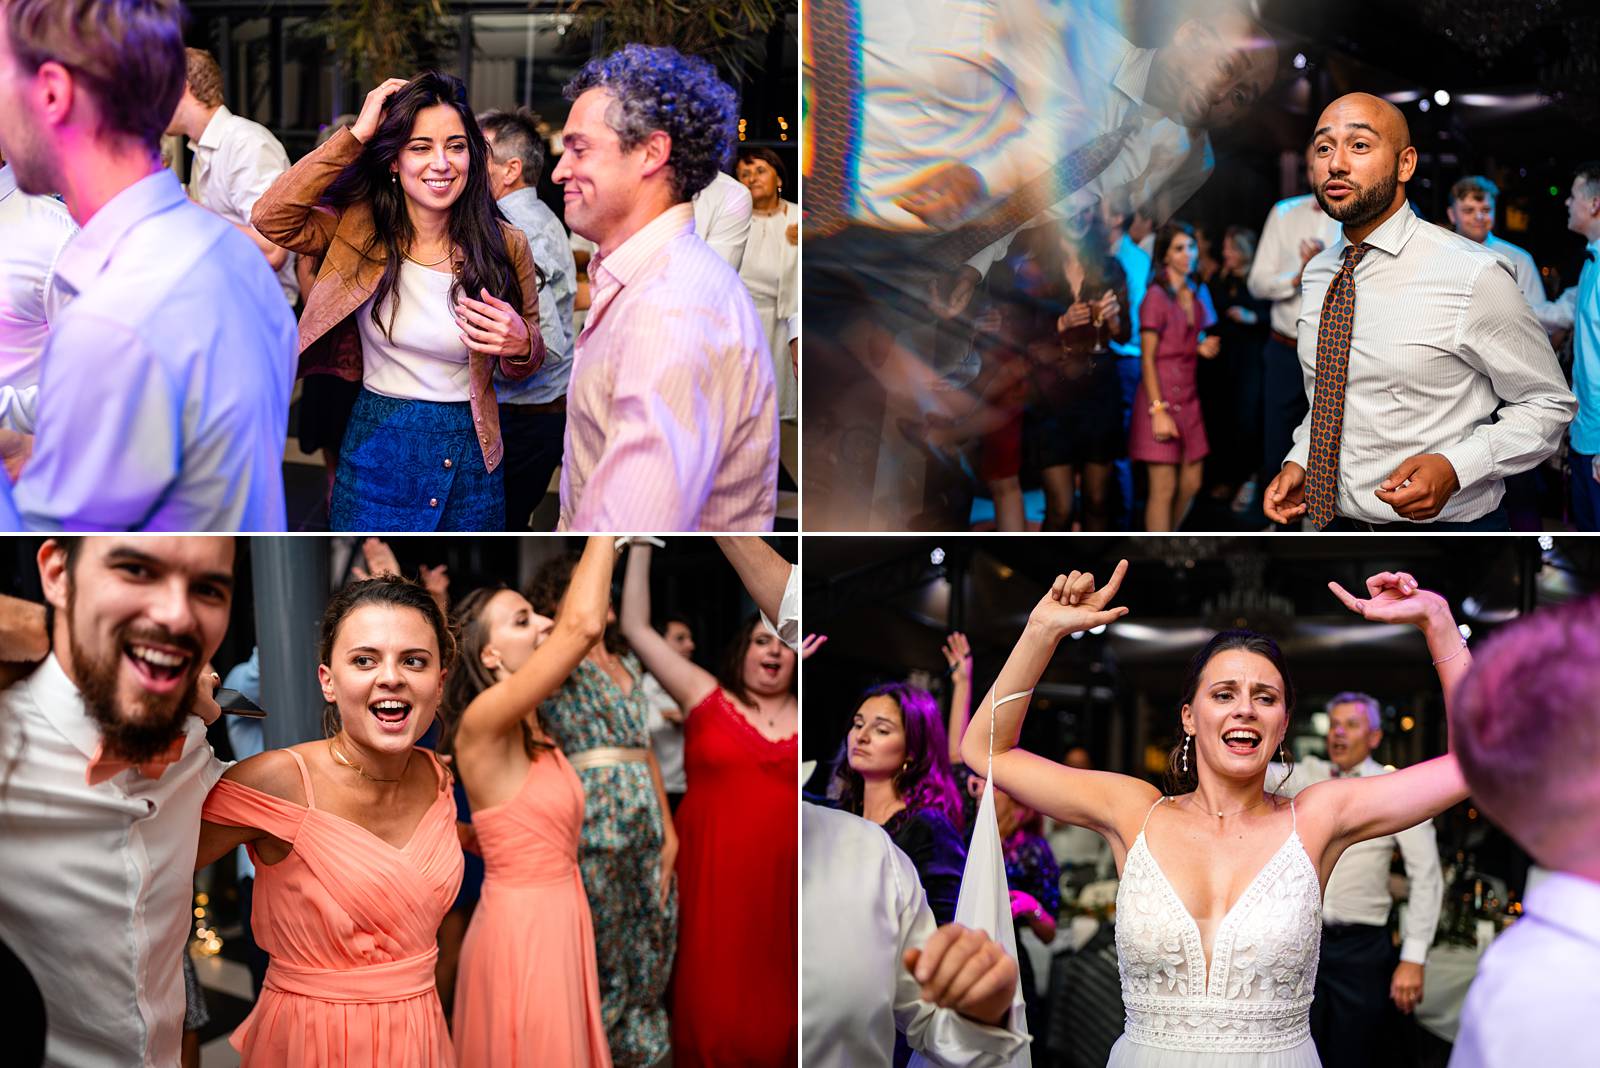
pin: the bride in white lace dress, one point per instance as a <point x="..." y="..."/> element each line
<point x="1219" y="908"/>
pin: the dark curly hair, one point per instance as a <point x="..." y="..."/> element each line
<point x="549" y="585"/>
<point x="662" y="89"/>
<point x="384" y="590"/>
<point x="925" y="780"/>
<point x="474" y="218"/>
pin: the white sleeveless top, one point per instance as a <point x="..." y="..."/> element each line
<point x="1256" y="998"/>
<point x="426" y="358"/>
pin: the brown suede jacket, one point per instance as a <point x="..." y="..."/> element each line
<point x="288" y="215"/>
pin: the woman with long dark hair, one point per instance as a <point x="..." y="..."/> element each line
<point x="894" y="770"/>
<point x="1217" y="941"/>
<point x="527" y="991"/>
<point x="734" y="991"/>
<point x="354" y="841"/>
<point x="1230" y="385"/>
<point x="425" y="293"/>
<point x="1168" y="433"/>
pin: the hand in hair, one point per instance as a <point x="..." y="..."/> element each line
<point x="492" y="326"/>
<point x="1074" y="604"/>
<point x="366" y="123"/>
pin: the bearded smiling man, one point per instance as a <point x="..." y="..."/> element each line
<point x="103" y="768"/>
<point x="1430" y="379"/>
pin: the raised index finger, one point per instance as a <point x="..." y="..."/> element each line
<point x="1114" y="583"/>
<point x="1344" y="596"/>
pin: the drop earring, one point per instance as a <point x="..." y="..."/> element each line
<point x="1186" y="738"/>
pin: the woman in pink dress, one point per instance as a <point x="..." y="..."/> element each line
<point x="527" y="991"/>
<point x="354" y="841"/>
<point x="1168" y="433"/>
<point x="734" y="989"/>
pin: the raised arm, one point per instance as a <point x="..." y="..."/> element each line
<point x="1388" y="804"/>
<point x="687" y="682"/>
<point x="1104" y="802"/>
<point x="764" y="573"/>
<point x="958" y="654"/>
<point x="498" y="711"/>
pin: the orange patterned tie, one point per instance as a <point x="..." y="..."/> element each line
<point x="1327" y="410"/>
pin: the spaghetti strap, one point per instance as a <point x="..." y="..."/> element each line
<point x="1019" y="695"/>
<point x="305" y="777"/>
<point x="1151" y="810"/>
<point x="1294" y="824"/>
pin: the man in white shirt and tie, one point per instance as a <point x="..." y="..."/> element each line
<point x="1431" y="381"/>
<point x="104" y="766"/>
<point x="1357" y="974"/>
<point x="163" y="395"/>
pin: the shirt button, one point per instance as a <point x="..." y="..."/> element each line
<point x="448" y="463"/>
<point x="433" y="502"/>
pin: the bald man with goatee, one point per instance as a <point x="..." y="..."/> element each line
<point x="1429" y="378"/>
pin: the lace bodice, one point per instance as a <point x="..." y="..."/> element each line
<point x="1257" y="996"/>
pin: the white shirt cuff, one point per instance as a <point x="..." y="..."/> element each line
<point x="1414" y="950"/>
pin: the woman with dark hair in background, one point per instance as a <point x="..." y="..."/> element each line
<point x="1217" y="942"/>
<point x="425" y="293"/>
<point x="629" y="844"/>
<point x="734" y="992"/>
<point x="771" y="266"/>
<point x="894" y="770"/>
<point x="526" y="991"/>
<point x="1230" y="385"/>
<point x="1168" y="433"/>
<point x="354" y="842"/>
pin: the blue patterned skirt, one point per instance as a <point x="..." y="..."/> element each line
<point x="414" y="465"/>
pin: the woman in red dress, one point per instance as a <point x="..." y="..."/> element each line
<point x="734" y="989"/>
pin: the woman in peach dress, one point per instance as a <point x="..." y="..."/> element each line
<point x="355" y="846"/>
<point x="527" y="990"/>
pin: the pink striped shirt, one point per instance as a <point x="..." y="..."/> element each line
<point x="672" y="419"/>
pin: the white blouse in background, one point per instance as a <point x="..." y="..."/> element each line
<point x="862" y="909"/>
<point x="423" y="358"/>
<point x="771" y="271"/>
<point x="95" y="896"/>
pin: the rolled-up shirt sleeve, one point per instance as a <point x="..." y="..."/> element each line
<point x="944" y="1036"/>
<point x="1499" y="337"/>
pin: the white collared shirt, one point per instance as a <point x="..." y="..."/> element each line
<point x="96" y="894"/>
<point x="863" y="907"/>
<point x="722" y="212"/>
<point x="163" y="399"/>
<point x="33" y="231"/>
<point x="235" y="161"/>
<point x="1274" y="271"/>
<point x="1358" y="889"/>
<point x="1009" y="89"/>
<point x="1445" y="357"/>
<point x="1536" y="996"/>
<point x="1523" y="269"/>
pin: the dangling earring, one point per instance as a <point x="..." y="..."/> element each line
<point x="1186" y="738"/>
<point x="394" y="176"/>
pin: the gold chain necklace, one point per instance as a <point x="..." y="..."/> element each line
<point x="1246" y="808"/>
<point x="341" y="759"/>
<point x="448" y="253"/>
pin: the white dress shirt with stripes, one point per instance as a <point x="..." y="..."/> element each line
<point x="1445" y="357"/>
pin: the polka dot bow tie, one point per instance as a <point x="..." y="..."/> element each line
<point x="1327" y="410"/>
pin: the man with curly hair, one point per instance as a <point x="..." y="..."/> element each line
<point x="672" y="419"/>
